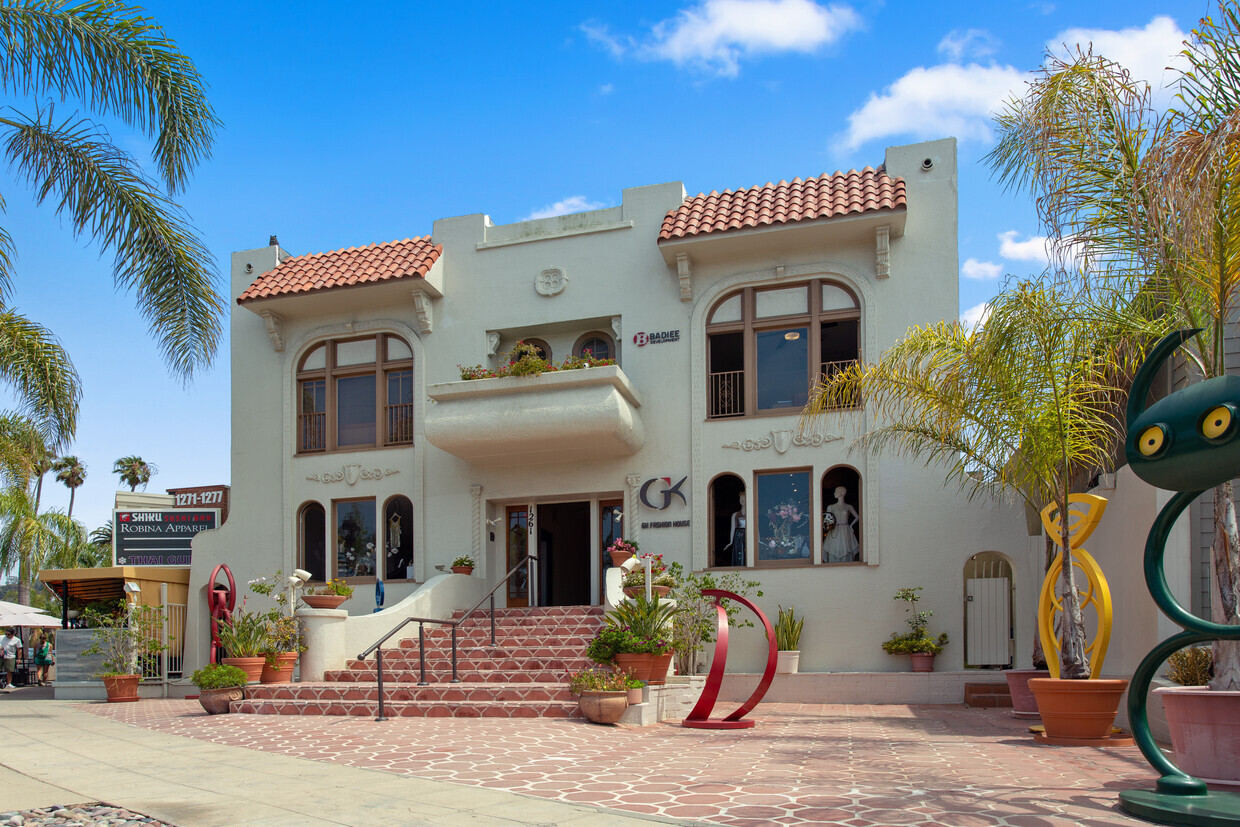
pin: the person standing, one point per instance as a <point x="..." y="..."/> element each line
<point x="9" y="644"/>
<point x="43" y="658"/>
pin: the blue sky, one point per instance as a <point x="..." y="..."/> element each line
<point x="349" y="125"/>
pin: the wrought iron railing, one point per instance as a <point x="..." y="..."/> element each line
<point x="399" y="424"/>
<point x="727" y="394"/>
<point x="312" y="432"/>
<point x="377" y="646"/>
<point x="830" y="369"/>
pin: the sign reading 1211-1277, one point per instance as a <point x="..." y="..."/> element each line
<point x="158" y="538"/>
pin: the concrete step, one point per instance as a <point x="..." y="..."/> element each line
<point x="413" y="709"/>
<point x="465" y="692"/>
<point x="993" y="695"/>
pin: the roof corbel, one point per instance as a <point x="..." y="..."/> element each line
<point x="882" y="251"/>
<point x="275" y="329"/>
<point x="684" y="274"/>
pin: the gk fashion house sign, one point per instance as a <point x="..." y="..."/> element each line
<point x="658" y="494"/>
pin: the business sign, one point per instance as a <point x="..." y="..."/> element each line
<point x="158" y="538"/>
<point x="202" y="496"/>
<point x="661" y="337"/>
<point x="657" y="493"/>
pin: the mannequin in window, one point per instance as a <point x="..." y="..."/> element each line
<point x="395" y="562"/>
<point x="738" y="534"/>
<point x="839" y="541"/>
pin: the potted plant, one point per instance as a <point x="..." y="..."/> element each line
<point x="696" y="620"/>
<point x="328" y="596"/>
<point x="284" y="646"/>
<point x="916" y="642"/>
<point x="219" y="685"/>
<point x="619" y="647"/>
<point x="662" y="581"/>
<point x="463" y="564"/>
<point x="649" y="624"/>
<point x="788" y="641"/>
<point x="1204" y="731"/>
<point x="602" y="695"/>
<point x="621" y="550"/>
<point x="635" y="694"/>
<point x="244" y="637"/>
<point x="124" y="638"/>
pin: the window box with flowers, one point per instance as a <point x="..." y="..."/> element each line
<point x="463" y="564"/>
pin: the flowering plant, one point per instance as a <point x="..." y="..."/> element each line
<point x="656" y="562"/>
<point x="334" y="586"/>
<point x="637" y="579"/>
<point x="525" y="360"/>
<point x="597" y="680"/>
<point x="463" y="560"/>
<point x="622" y="545"/>
<point x="788" y="523"/>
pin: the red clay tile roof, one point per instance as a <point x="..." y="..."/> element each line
<point x="411" y="258"/>
<point x="827" y="196"/>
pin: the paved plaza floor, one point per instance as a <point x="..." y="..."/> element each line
<point x="854" y="765"/>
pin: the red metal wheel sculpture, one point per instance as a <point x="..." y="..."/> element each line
<point x="699" y="717"/>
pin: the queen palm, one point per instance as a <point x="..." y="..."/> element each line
<point x="31" y="540"/>
<point x="1026" y="405"/>
<point x="1152" y="203"/>
<point x="116" y="64"/>
<point x="134" y="471"/>
<point x="72" y="474"/>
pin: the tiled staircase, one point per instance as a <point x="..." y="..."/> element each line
<point x="522" y="676"/>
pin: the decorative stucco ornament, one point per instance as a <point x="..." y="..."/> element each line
<point x="351" y="474"/>
<point x="782" y="440"/>
<point x="551" y="282"/>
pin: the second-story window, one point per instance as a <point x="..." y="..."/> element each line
<point x="355" y="393"/>
<point x="766" y="346"/>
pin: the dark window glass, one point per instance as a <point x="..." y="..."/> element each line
<point x="398" y="536"/>
<point x="596" y="347"/>
<point x="355" y="539"/>
<point x="314" y="541"/>
<point x="782" y="377"/>
<point x="355" y="410"/>
<point x="783" y="517"/>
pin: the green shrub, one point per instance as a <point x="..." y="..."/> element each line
<point x="914" y="644"/>
<point x="788" y="630"/>
<point x="597" y="680"/>
<point x="1193" y="666"/>
<point x="218" y="676"/>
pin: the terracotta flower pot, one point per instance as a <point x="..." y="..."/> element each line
<point x="281" y="671"/>
<point x="1024" y="704"/>
<point x="216" y="701"/>
<point x="922" y="661"/>
<point x="635" y="695"/>
<point x="324" y="601"/>
<point x="620" y="557"/>
<point x="1078" y="710"/>
<point x="634" y="591"/>
<point x="1205" y="731"/>
<point x="603" y="707"/>
<point x="659" y="668"/>
<point x="462" y="569"/>
<point x="661" y="591"/>
<point x="121" y="688"/>
<point x="637" y="665"/>
<point x="252" y="667"/>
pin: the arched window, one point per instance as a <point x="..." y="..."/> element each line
<point x="596" y="344"/>
<point x="355" y="393"/>
<point x="312" y="539"/>
<point x="767" y="345"/>
<point x="398" y="538"/>
<point x="841" y="515"/>
<point x="542" y="348"/>
<point x="727" y="521"/>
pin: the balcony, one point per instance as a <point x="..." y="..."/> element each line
<point x="563" y="416"/>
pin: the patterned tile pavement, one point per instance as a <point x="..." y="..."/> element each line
<point x="854" y="765"/>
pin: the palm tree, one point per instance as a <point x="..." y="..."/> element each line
<point x="31" y="540"/>
<point x="117" y="64"/>
<point x="102" y="536"/>
<point x="134" y="471"/>
<point x="72" y="473"/>
<point x="1026" y="405"/>
<point x="1152" y="203"/>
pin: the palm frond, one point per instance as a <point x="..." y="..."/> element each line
<point x="117" y="62"/>
<point x="48" y="389"/>
<point x="107" y="198"/>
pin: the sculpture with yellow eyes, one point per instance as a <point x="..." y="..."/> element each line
<point x="1188" y="442"/>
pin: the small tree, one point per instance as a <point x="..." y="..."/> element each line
<point x="693" y="625"/>
<point x="124" y="638"/>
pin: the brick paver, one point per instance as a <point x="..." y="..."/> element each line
<point x="802" y="764"/>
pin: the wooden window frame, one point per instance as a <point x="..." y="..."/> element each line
<point x="333" y="546"/>
<point x="380" y="368"/>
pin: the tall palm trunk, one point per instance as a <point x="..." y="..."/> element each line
<point x="1225" y="597"/>
<point x="72" y="494"/>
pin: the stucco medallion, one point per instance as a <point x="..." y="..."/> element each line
<point x="550" y="282"/>
<point x="351" y="474"/>
<point x="782" y="440"/>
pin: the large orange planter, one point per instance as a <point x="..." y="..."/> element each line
<point x="252" y="667"/>
<point x="1078" y="711"/>
<point x="603" y="707"/>
<point x="638" y="666"/>
<point x="660" y="667"/>
<point x="281" y="671"/>
<point x="1205" y="731"/>
<point x="121" y="688"/>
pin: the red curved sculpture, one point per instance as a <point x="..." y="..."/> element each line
<point x="699" y="717"/>
<point x="221" y="600"/>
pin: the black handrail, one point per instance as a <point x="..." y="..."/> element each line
<point x="377" y="646"/>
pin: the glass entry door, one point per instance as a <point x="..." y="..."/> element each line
<point x="609" y="521"/>
<point x="518" y="543"/>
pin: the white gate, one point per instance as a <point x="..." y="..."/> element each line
<point x="988" y="611"/>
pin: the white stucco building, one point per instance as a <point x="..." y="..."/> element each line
<point x="359" y="452"/>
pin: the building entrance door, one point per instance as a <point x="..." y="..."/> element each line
<point x="563" y="571"/>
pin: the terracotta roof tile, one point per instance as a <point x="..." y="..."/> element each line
<point x="411" y="258"/>
<point x="827" y="196"/>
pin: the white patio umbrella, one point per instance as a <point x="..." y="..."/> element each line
<point x="20" y="607"/>
<point x="10" y="617"/>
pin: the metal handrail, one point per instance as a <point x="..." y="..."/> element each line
<point x="377" y="646"/>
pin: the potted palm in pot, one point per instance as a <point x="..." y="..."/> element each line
<point x="788" y="640"/>
<point x="916" y="643"/>
<point x="218" y="686"/>
<point x="643" y="629"/>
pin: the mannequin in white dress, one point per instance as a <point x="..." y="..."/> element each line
<point x="839" y="544"/>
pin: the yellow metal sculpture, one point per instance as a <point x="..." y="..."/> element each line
<point x="1081" y="523"/>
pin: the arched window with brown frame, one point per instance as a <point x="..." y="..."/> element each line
<point x="766" y="346"/>
<point x="595" y="343"/>
<point x="312" y="540"/>
<point x="355" y="393"/>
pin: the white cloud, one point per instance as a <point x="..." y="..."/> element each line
<point x="974" y="315"/>
<point x="957" y="45"/>
<point x="1145" y="52"/>
<point x="572" y="204"/>
<point x="606" y="89"/>
<point x="715" y="34"/>
<point x="1035" y="248"/>
<point x="936" y="101"/>
<point x="980" y="270"/>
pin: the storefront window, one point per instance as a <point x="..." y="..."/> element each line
<point x="783" y="517"/>
<point x="355" y="538"/>
<point x="398" y="538"/>
<point x="314" y="541"/>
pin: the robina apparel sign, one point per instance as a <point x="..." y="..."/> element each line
<point x="158" y="538"/>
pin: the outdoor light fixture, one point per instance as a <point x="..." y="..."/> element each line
<point x="132" y="587"/>
<point x="302" y="575"/>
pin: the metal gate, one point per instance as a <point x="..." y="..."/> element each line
<point x="988" y="610"/>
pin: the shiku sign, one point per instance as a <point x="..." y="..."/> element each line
<point x="158" y="538"/>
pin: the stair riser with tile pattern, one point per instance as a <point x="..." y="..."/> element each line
<point x="522" y="676"/>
